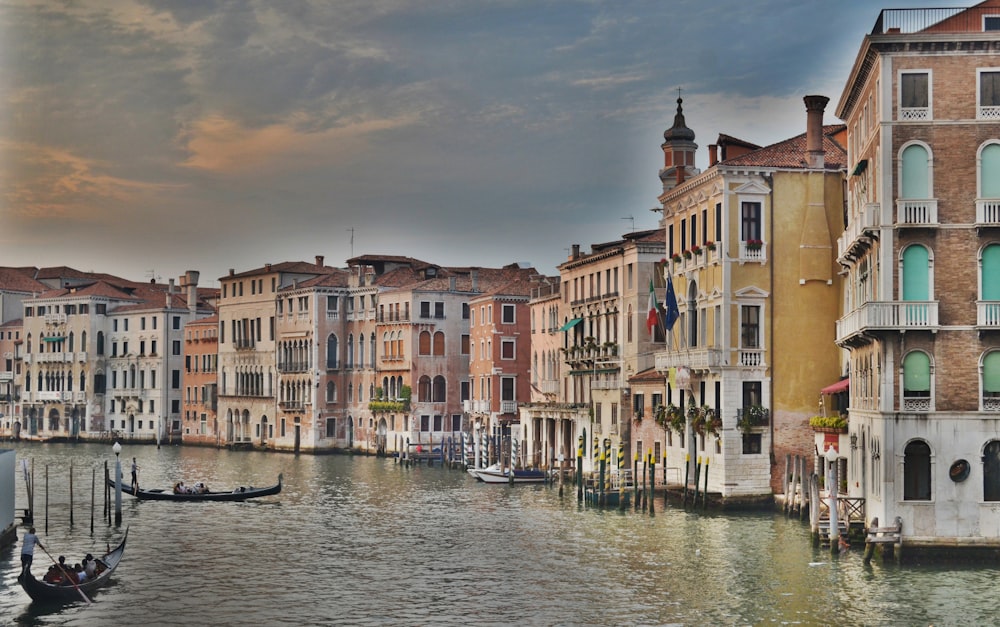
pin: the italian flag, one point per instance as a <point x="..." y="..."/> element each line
<point x="653" y="315"/>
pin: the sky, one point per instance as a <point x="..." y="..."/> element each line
<point x="143" y="138"/>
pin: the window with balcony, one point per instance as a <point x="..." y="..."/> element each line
<point x="988" y="314"/>
<point x="916" y="205"/>
<point x="917" y="382"/>
<point x="915" y="95"/>
<point x="917" y="471"/>
<point x="989" y="94"/>
<point x="988" y="199"/>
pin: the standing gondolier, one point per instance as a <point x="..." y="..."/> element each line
<point x="135" y="475"/>
<point x="28" y="549"/>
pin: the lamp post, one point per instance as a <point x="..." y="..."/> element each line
<point x="831" y="485"/>
<point x="117" y="448"/>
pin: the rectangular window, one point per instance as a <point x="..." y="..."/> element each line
<point x="439" y="310"/>
<point x="466" y="391"/>
<point x="465" y="343"/>
<point x="507" y="389"/>
<point x="915" y="95"/>
<point x="989" y="94"/>
<point x="506" y="349"/>
<point x="177" y="322"/>
<point x="991" y="23"/>
<point x="507" y="315"/>
<point x="175" y="379"/>
<point x="465" y="311"/>
<point x="751" y="221"/>
<point x="425" y="309"/>
<point x="176" y="347"/>
<point x="750" y="326"/>
<point x="637" y="405"/>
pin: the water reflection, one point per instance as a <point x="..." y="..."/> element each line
<point x="364" y="541"/>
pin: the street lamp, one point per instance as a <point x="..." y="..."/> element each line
<point x="832" y="486"/>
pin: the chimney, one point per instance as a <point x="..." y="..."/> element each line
<point x="815" y="105"/>
<point x="451" y="284"/>
<point x="319" y="260"/>
<point x="713" y="154"/>
<point x="475" y="280"/>
<point x="576" y="252"/>
<point x="170" y="293"/>
<point x="680" y="174"/>
<point x="267" y="267"/>
<point x="191" y="282"/>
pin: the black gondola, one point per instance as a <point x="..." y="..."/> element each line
<point x="45" y="592"/>
<point x="238" y="494"/>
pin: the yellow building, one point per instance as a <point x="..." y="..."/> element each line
<point x="751" y="246"/>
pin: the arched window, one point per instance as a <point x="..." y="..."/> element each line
<point x="991" y="382"/>
<point x="72" y="342"/>
<point x="331" y="351"/>
<point x="439" y="343"/>
<point x="917" y="382"/>
<point x="439" y="389"/>
<point x="989" y="172"/>
<point x="350" y="351"/>
<point x="916" y="287"/>
<point x="915" y="172"/>
<point x="989" y="287"/>
<point x="991" y="471"/>
<point x="424" y="346"/>
<point x="692" y="316"/>
<point x="100" y="343"/>
<point x="424" y="389"/>
<point x="917" y="471"/>
<point x="83" y="340"/>
<point x="331" y="392"/>
<point x="361" y="351"/>
<point x="372" y="351"/>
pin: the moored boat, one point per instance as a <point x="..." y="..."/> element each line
<point x="495" y="474"/>
<point x="241" y="493"/>
<point x="45" y="592"/>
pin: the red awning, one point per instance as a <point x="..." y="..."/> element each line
<point x="839" y="386"/>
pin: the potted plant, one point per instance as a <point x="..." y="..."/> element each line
<point x="710" y="245"/>
<point x="687" y="253"/>
<point x="828" y="424"/>
<point x="696" y="249"/>
<point x="754" y="244"/>
<point x="752" y="417"/>
<point x="676" y="258"/>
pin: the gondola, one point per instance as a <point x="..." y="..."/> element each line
<point x="239" y="494"/>
<point x="44" y="592"/>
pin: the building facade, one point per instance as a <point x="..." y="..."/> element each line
<point x="921" y="252"/>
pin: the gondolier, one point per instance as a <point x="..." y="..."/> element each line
<point x="135" y="475"/>
<point x="28" y="549"/>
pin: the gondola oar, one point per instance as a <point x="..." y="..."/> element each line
<point x="69" y="576"/>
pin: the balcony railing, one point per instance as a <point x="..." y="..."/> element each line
<point x="695" y="358"/>
<point x="755" y="253"/>
<point x="988" y="314"/>
<point x="508" y="407"/>
<point x="988" y="212"/>
<point x="932" y="20"/>
<point x="916" y="403"/>
<point x="55" y="318"/>
<point x="865" y="223"/>
<point x="751" y="357"/>
<point x="916" y="212"/>
<point x="889" y="316"/>
<point x="609" y="383"/>
<point x="293" y="366"/>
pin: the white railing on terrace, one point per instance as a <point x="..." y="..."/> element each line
<point x="988" y="313"/>
<point x="6" y="376"/>
<point x="751" y="358"/>
<point x="916" y="403"/>
<point x="332" y="315"/>
<point x="988" y="211"/>
<point x="508" y="407"/>
<point x="901" y="315"/>
<point x="549" y="386"/>
<point x="698" y="358"/>
<point x="55" y="318"/>
<point x="991" y="403"/>
<point x="916" y="212"/>
<point x="755" y="253"/>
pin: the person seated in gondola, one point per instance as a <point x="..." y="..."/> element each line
<point x="89" y="566"/>
<point x="200" y="488"/>
<point x="55" y="572"/>
<point x="81" y="574"/>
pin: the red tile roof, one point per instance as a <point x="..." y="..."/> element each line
<point x="791" y="153"/>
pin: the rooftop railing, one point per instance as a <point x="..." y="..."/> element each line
<point x="942" y="20"/>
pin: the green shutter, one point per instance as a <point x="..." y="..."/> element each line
<point x="991" y="272"/>
<point x="990" y="172"/>
<point x="916" y="273"/>
<point x="991" y="372"/>
<point x="915" y="173"/>
<point x="917" y="372"/>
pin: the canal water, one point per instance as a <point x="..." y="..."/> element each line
<point x="363" y="541"/>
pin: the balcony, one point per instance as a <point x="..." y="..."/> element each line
<point x="752" y="252"/>
<point x="921" y="404"/>
<point x="508" y="407"/>
<point x="293" y="366"/>
<point x="751" y="357"/>
<point x="549" y="386"/>
<point x="610" y="383"/>
<point x="916" y="212"/>
<point x="862" y="228"/>
<point x="987" y="314"/>
<point x="888" y="316"/>
<point x="988" y="212"/>
<point x="291" y="405"/>
<point x="55" y="319"/>
<point x="243" y="345"/>
<point x="695" y="359"/>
